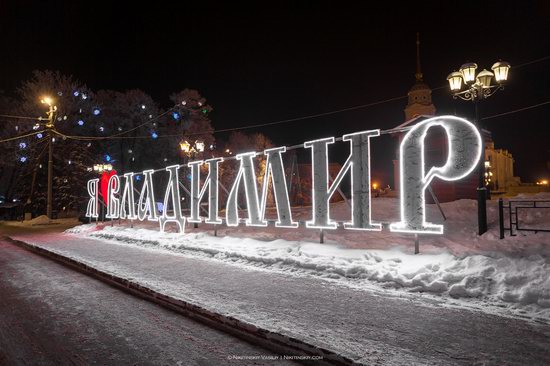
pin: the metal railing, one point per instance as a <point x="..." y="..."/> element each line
<point x="514" y="207"/>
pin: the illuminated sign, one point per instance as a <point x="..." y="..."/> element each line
<point x="464" y="151"/>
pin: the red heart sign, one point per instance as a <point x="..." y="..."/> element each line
<point x="104" y="185"/>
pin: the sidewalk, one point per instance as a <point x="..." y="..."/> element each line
<point x="359" y="325"/>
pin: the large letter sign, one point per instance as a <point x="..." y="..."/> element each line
<point x="147" y="207"/>
<point x="211" y="182"/>
<point x="359" y="163"/>
<point x="464" y="151"/>
<point x="172" y="194"/>
<point x="113" y="206"/>
<point x="275" y="170"/>
<point x="321" y="194"/>
<point x="246" y="173"/>
<point x="360" y="181"/>
<point x="127" y="207"/>
<point x="93" y="192"/>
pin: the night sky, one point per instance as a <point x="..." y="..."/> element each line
<point x="257" y="65"/>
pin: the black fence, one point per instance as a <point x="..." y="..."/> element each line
<point x="514" y="207"/>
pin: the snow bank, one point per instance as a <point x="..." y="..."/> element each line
<point x="516" y="283"/>
<point x="40" y="220"/>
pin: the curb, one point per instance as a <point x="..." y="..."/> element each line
<point x="300" y="350"/>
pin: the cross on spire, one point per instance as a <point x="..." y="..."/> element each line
<point x="418" y="74"/>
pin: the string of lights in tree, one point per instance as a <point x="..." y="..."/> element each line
<point x="96" y="111"/>
<point x="80" y="99"/>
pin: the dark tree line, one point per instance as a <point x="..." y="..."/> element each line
<point x="127" y="129"/>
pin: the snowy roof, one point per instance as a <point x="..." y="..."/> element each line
<point x="414" y="120"/>
<point x="422" y="117"/>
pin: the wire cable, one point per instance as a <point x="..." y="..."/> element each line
<point x="116" y="135"/>
<point x="21" y="136"/>
<point x="390" y="131"/>
<point x="517" y="110"/>
<point x="21" y="117"/>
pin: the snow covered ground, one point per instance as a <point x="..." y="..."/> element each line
<point x="510" y="276"/>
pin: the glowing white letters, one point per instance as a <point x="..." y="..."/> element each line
<point x="246" y="172"/>
<point x="127" y="202"/>
<point x="276" y="171"/>
<point x="464" y="151"/>
<point x="172" y="193"/>
<point x="93" y="191"/>
<point x="114" y="203"/>
<point x="256" y="207"/>
<point x="146" y="204"/>
<point x="197" y="194"/>
<point x="359" y="163"/>
<point x="320" y="191"/>
<point x="464" y="146"/>
<point x="360" y="181"/>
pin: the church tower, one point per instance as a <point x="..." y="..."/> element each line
<point x="420" y="95"/>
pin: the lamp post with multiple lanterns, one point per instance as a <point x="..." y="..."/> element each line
<point x="100" y="168"/>
<point x="191" y="149"/>
<point x="466" y="85"/>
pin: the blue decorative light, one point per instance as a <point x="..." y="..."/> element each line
<point x="39" y="135"/>
<point x="80" y="122"/>
<point x="176" y="116"/>
<point x="76" y="93"/>
<point x="84" y="96"/>
<point x="154" y="135"/>
<point x="101" y="128"/>
<point x="107" y="157"/>
<point x="22" y="145"/>
<point x="23" y="159"/>
<point x="96" y="111"/>
<point x="138" y="177"/>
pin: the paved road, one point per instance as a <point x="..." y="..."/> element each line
<point x="370" y="328"/>
<point x="50" y="315"/>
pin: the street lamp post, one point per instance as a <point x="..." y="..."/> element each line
<point x="50" y="126"/>
<point x="100" y="168"/>
<point x="476" y="88"/>
<point x="190" y="151"/>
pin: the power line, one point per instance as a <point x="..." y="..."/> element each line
<point x="21" y="136"/>
<point x="116" y="135"/>
<point x="240" y="128"/>
<point x="21" y="117"/>
<point x="361" y="106"/>
<point x="532" y="62"/>
<point x="517" y="110"/>
<point x="86" y="138"/>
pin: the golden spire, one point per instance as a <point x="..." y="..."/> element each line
<point x="418" y="74"/>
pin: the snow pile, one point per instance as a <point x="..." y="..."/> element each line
<point x="40" y="220"/>
<point x="496" y="279"/>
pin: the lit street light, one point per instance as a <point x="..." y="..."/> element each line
<point x="187" y="148"/>
<point x="476" y="88"/>
<point x="100" y="168"/>
<point x="49" y="126"/>
<point x="190" y="151"/>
